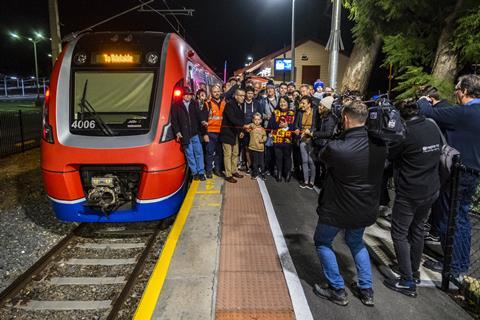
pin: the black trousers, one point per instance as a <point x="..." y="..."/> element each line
<point x="283" y="158"/>
<point x="258" y="162"/>
<point x="408" y="223"/>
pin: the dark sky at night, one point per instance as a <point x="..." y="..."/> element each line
<point x="219" y="30"/>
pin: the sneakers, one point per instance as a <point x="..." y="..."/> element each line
<point x="264" y="178"/>
<point x="253" y="177"/>
<point x="209" y="175"/>
<point x="237" y="175"/>
<point x="310" y="186"/>
<point x="415" y="274"/>
<point x="435" y="266"/>
<point x="432" y="238"/>
<point x="401" y="286"/>
<point x="288" y="177"/>
<point x="337" y="296"/>
<point x="202" y="177"/>
<point x="230" y="179"/>
<point x="196" y="177"/>
<point x="365" y="295"/>
<point x="303" y="185"/>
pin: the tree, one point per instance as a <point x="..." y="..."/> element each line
<point x="446" y="62"/>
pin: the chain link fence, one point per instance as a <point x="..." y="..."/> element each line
<point x="19" y="131"/>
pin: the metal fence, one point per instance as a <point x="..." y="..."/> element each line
<point x="461" y="264"/>
<point x="19" y="87"/>
<point x="19" y="131"/>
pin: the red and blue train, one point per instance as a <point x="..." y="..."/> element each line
<point x="108" y="150"/>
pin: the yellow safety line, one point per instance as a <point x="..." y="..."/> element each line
<point x="147" y="304"/>
<point x="209" y="192"/>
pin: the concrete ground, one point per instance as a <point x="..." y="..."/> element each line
<point x="295" y="210"/>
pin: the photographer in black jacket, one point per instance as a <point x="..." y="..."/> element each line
<point x="349" y="201"/>
<point x="417" y="183"/>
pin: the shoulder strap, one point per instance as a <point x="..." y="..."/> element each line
<point x="444" y="141"/>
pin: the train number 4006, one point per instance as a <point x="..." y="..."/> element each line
<point x="83" y="124"/>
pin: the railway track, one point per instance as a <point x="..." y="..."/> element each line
<point x="88" y="275"/>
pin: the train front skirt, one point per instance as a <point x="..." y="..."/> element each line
<point x="142" y="210"/>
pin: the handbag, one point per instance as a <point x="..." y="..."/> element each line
<point x="446" y="157"/>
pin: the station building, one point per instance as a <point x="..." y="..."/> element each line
<point x="311" y="63"/>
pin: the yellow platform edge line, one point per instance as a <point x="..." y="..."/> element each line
<point x="147" y="304"/>
<point x="209" y="192"/>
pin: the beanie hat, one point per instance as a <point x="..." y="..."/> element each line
<point x="318" y="83"/>
<point x="327" y="102"/>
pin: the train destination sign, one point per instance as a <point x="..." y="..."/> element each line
<point x="117" y="58"/>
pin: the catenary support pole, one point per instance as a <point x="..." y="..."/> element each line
<point x="292" y="77"/>
<point x="335" y="43"/>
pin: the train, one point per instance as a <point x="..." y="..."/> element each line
<point x="108" y="151"/>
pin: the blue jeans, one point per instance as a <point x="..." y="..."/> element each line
<point x="463" y="228"/>
<point x="214" y="153"/>
<point x="324" y="235"/>
<point x="194" y="155"/>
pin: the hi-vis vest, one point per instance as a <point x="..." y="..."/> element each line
<point x="215" y="115"/>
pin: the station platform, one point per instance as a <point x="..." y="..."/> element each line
<point x="245" y="251"/>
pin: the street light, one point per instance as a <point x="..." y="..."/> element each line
<point x="292" y="76"/>
<point x="38" y="37"/>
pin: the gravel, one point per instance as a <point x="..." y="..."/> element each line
<point x="28" y="227"/>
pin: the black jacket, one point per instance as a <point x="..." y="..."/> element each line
<point x="416" y="160"/>
<point x="351" y="191"/>
<point x="324" y="129"/>
<point x="188" y="123"/>
<point x="461" y="125"/>
<point x="232" y="122"/>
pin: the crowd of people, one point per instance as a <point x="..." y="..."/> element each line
<point x="321" y="138"/>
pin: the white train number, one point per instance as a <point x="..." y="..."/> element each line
<point x="83" y="124"/>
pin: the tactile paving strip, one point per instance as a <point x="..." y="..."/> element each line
<point x="252" y="291"/>
<point x="237" y="217"/>
<point x="254" y="315"/>
<point x="249" y="258"/>
<point x="251" y="283"/>
<point x="246" y="234"/>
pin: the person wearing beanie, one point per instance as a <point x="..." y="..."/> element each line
<point x="325" y="128"/>
<point x="318" y="89"/>
<point x="327" y="102"/>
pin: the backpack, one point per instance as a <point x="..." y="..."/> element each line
<point x="384" y="123"/>
<point x="446" y="157"/>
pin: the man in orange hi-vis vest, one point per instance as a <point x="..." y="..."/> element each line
<point x="214" y="156"/>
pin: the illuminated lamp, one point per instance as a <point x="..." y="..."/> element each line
<point x="177" y="93"/>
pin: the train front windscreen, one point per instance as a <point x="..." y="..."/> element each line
<point x="114" y="83"/>
<point x="112" y="103"/>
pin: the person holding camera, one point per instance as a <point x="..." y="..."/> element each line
<point x="349" y="201"/>
<point x="417" y="183"/>
<point x="460" y="122"/>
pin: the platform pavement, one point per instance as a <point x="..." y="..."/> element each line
<point x="190" y="287"/>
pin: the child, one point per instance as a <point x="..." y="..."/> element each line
<point x="258" y="136"/>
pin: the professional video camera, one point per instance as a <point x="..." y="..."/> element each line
<point x="384" y="121"/>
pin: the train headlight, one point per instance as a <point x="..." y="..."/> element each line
<point x="80" y="58"/>
<point x="151" y="58"/>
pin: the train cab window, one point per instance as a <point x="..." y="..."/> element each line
<point x="111" y="103"/>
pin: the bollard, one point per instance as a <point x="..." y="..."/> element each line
<point x="450" y="236"/>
